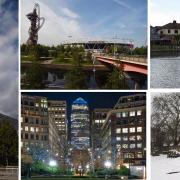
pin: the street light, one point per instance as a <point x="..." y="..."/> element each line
<point x="52" y="163"/>
<point x="107" y="164"/>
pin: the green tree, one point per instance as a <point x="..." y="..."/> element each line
<point x="116" y="79"/>
<point x="35" y="77"/>
<point x="8" y="144"/>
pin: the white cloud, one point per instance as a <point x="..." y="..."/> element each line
<point x="67" y="12"/>
<point x="123" y="4"/>
<point x="162" y="12"/>
<point x="57" y="27"/>
<point x="8" y="64"/>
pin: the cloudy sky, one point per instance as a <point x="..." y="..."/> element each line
<point x="163" y="12"/>
<point x="9" y="57"/>
<point x="95" y="19"/>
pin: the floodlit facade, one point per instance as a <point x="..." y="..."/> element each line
<point x="37" y="129"/>
<point x="80" y="125"/>
<point x="58" y="112"/>
<point x="124" y="132"/>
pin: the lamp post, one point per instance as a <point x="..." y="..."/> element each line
<point x="108" y="165"/>
<point x="52" y="163"/>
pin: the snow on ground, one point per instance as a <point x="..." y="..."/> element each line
<point x="161" y="165"/>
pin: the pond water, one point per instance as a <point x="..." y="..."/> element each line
<point x="165" y="72"/>
<point x="55" y="79"/>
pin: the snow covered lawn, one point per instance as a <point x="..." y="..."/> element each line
<point x="161" y="165"/>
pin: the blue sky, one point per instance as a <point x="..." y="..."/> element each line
<point x="97" y="19"/>
<point x="9" y="57"/>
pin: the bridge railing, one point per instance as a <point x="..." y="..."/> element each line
<point x="9" y="173"/>
<point x="133" y="58"/>
<point x="140" y="59"/>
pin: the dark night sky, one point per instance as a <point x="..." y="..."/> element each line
<point x="94" y="99"/>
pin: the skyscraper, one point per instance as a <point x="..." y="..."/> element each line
<point x="80" y="125"/>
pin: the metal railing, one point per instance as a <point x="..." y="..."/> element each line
<point x="132" y="58"/>
<point x="9" y="173"/>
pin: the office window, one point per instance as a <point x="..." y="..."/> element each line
<point x="32" y="129"/>
<point x="169" y="31"/>
<point x="139" y="155"/>
<point x="26" y="128"/>
<point x="124" y="114"/>
<point x="139" y="145"/>
<point x="132" y="130"/>
<point x="125" y="146"/>
<point x="125" y="138"/>
<point x="132" y="113"/>
<point x="132" y="146"/>
<point x="118" y="138"/>
<point x="125" y="130"/>
<point x="139" y="112"/>
<point x="37" y="129"/>
<point x="118" y="114"/>
<point x="176" y="31"/>
<point x="139" y="129"/>
<point x="139" y="137"/>
<point x="118" y="130"/>
<point x="132" y="138"/>
<point x="26" y="136"/>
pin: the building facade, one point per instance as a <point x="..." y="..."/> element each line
<point x="166" y="34"/>
<point x="58" y="112"/>
<point x="98" y="118"/>
<point x="37" y="129"/>
<point x="124" y="132"/>
<point x="80" y="125"/>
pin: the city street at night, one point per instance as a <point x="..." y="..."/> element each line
<point x="75" y="135"/>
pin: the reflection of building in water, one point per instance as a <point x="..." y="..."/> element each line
<point x="80" y="125"/>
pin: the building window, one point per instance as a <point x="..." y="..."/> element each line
<point x="132" y="146"/>
<point x="139" y="138"/>
<point x="139" y="155"/>
<point x="139" y="112"/>
<point x="176" y="31"/>
<point x="132" y="130"/>
<point x="37" y="121"/>
<point x="125" y="146"/>
<point x="32" y="129"/>
<point x="125" y="138"/>
<point x="124" y="114"/>
<point x="132" y="138"/>
<point x="26" y="136"/>
<point x="139" y="145"/>
<point x="37" y="129"/>
<point x="139" y="129"/>
<point x="161" y="32"/>
<point x="118" y="115"/>
<point x="32" y="136"/>
<point x="118" y="130"/>
<point x="37" y="137"/>
<point x="125" y="130"/>
<point x="97" y="121"/>
<point x="26" y="119"/>
<point x="118" y="138"/>
<point x="26" y="128"/>
<point x="132" y="113"/>
<point x="169" y="31"/>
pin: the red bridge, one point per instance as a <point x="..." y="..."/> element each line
<point x="130" y="64"/>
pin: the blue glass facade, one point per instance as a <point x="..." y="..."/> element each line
<point x="80" y="125"/>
